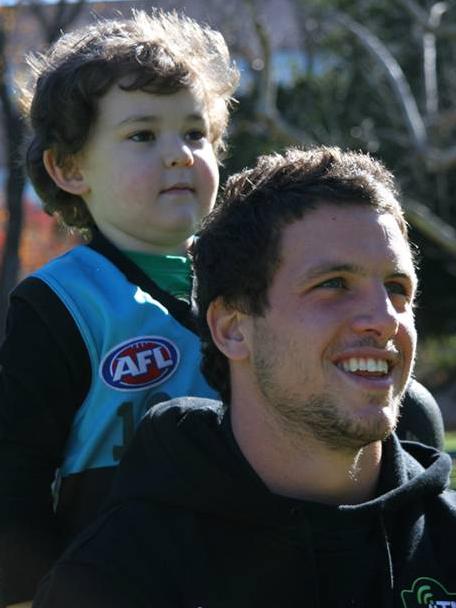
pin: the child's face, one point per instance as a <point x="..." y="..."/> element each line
<point x="149" y="169"/>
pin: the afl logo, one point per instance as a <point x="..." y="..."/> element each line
<point x="139" y="363"/>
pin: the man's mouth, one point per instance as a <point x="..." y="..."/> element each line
<point x="375" y="364"/>
<point x="365" y="366"/>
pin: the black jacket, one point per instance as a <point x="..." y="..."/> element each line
<point x="190" y="525"/>
<point x="45" y="375"/>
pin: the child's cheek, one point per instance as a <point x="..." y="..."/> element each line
<point x="137" y="182"/>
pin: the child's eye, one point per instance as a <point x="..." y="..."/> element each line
<point x="195" y="135"/>
<point x="142" y="136"/>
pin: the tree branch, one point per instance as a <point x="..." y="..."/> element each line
<point x="421" y="17"/>
<point x="429" y="224"/>
<point x="62" y="16"/>
<point x="266" y="105"/>
<point x="415" y="10"/>
<point x="401" y="89"/>
<point x="439" y="161"/>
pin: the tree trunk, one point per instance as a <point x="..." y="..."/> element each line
<point x="14" y="188"/>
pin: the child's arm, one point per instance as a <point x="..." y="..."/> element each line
<point x="39" y="394"/>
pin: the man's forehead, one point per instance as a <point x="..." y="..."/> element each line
<point x="344" y="219"/>
<point x="354" y="236"/>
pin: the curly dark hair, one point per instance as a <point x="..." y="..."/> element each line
<point x="237" y="250"/>
<point x="161" y="53"/>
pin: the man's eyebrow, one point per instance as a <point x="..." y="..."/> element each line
<point x="152" y="119"/>
<point x="331" y="268"/>
<point x="410" y="277"/>
<point x="402" y="275"/>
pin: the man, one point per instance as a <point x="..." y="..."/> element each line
<point x="295" y="491"/>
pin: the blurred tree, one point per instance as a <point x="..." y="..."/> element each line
<point x="52" y="19"/>
<point x="14" y="180"/>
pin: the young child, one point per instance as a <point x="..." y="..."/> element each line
<point x="128" y="119"/>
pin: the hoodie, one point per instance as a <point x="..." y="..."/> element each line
<point x="189" y="524"/>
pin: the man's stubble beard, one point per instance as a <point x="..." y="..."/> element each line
<point x="319" y="416"/>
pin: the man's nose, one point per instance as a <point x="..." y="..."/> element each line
<point x="376" y="314"/>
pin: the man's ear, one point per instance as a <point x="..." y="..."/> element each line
<point x="68" y="177"/>
<point x="229" y="330"/>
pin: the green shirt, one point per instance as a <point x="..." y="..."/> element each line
<point x="171" y="272"/>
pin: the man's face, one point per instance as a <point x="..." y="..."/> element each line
<point x="333" y="353"/>
<point x="150" y="169"/>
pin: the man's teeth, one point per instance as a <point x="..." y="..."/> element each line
<point x="358" y="364"/>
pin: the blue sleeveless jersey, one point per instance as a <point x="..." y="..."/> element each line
<point x="140" y="355"/>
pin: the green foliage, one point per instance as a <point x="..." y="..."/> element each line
<point x="450" y="442"/>
<point x="436" y="361"/>
<point x="450" y="446"/>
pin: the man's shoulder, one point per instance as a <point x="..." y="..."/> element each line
<point x="421" y="418"/>
<point x="118" y="564"/>
<point x="182" y="407"/>
<point x="429" y="472"/>
<point x="440" y="527"/>
<point x="140" y="521"/>
<point x="445" y="502"/>
<point x="183" y="413"/>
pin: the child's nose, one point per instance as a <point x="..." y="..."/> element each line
<point x="178" y="155"/>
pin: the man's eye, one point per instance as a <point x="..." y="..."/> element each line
<point x="397" y="289"/>
<point x="142" y="136"/>
<point x="334" y="283"/>
<point x="195" y="135"/>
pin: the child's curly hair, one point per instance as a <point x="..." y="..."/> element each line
<point x="161" y="53"/>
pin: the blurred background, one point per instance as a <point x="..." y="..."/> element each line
<point x="375" y="75"/>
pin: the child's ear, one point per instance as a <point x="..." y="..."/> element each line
<point x="229" y="330"/>
<point x="68" y="177"/>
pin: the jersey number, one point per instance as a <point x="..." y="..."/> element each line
<point x="125" y="413"/>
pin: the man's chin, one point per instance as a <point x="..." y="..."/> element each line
<point x="357" y="433"/>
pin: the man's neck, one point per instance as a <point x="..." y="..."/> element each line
<point x="300" y="466"/>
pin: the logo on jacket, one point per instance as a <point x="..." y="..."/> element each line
<point x="140" y="363"/>
<point x="428" y="593"/>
